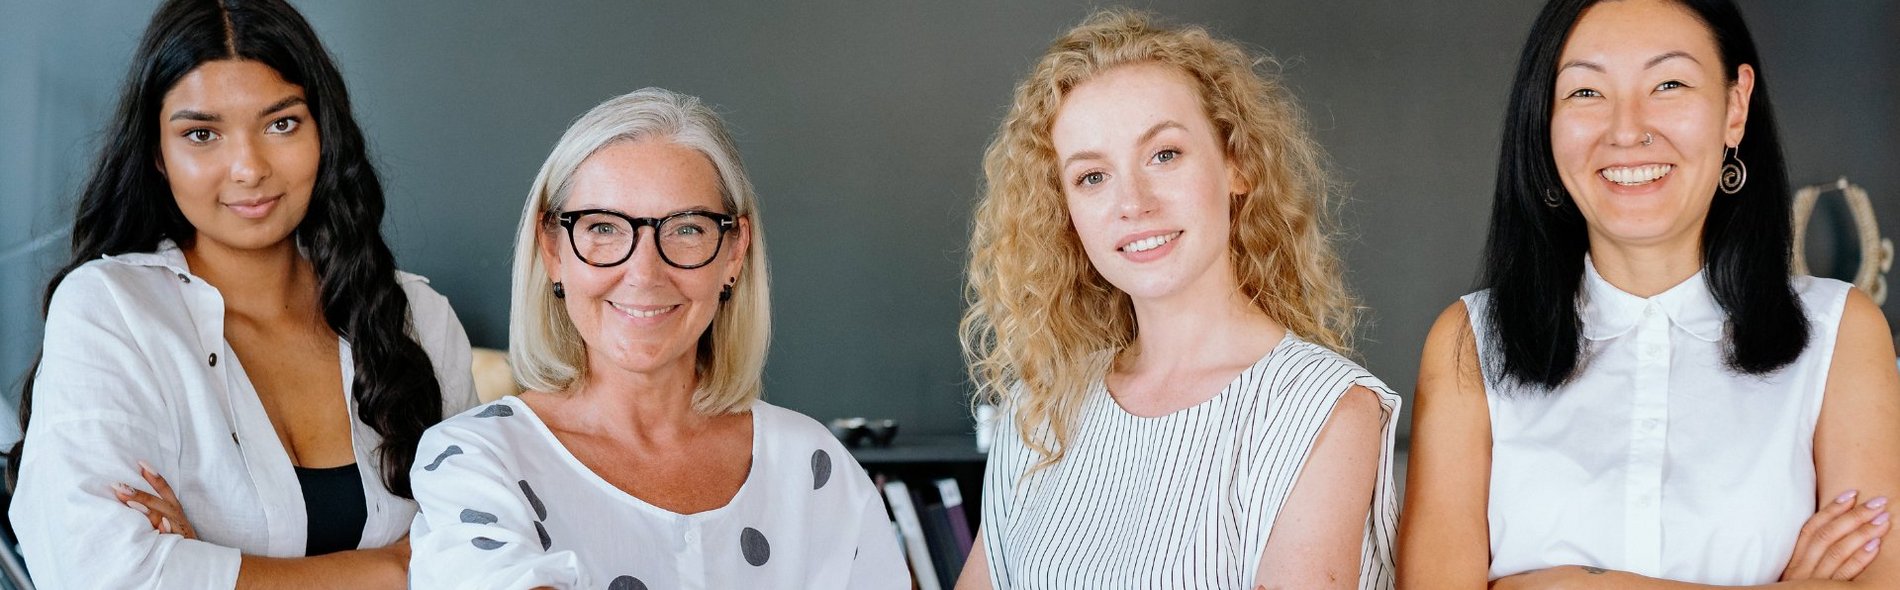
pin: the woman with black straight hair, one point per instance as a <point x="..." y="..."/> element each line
<point x="1641" y="396"/>
<point x="234" y="375"/>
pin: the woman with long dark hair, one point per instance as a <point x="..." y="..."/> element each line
<point x="1642" y="396"/>
<point x="234" y="375"/>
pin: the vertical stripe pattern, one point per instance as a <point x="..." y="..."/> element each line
<point x="1184" y="500"/>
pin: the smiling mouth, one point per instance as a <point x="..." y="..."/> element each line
<point x="643" y="313"/>
<point x="253" y="208"/>
<point x="1149" y="243"/>
<point x="1636" y="175"/>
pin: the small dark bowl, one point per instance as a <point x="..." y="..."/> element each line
<point x="883" y="432"/>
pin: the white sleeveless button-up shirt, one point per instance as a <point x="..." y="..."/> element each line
<point x="1656" y="458"/>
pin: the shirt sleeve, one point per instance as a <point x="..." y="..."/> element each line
<point x="96" y="413"/>
<point x="479" y="527"/>
<point x="441" y="334"/>
<point x="877" y="564"/>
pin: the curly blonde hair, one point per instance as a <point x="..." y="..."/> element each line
<point x="1040" y="314"/>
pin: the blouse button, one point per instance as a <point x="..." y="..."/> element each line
<point x="214" y="359"/>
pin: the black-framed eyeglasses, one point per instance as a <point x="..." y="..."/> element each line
<point x="686" y="240"/>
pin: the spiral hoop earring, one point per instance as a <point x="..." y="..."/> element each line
<point x="1734" y="172"/>
<point x="1551" y="199"/>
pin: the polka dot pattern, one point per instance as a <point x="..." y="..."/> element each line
<point x="453" y="450"/>
<point x="496" y="411"/>
<point x="486" y="544"/>
<point x="540" y="511"/>
<point x="752" y="544"/>
<point x="471" y="516"/>
<point x="820" y="468"/>
<point x="543" y="531"/>
<point x="626" y="583"/>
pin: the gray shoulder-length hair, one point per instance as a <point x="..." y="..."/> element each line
<point x="546" y="351"/>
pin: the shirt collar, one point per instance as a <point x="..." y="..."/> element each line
<point x="1608" y="312"/>
<point x="167" y="255"/>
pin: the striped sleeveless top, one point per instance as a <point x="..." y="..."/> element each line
<point x="1184" y="500"/>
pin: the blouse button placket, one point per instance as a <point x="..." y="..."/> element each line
<point x="1649" y="428"/>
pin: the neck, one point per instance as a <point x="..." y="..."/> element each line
<point x="267" y="283"/>
<point x="1645" y="270"/>
<point x="1212" y="327"/>
<point x="657" y="404"/>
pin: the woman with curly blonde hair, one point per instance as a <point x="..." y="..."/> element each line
<point x="1156" y="306"/>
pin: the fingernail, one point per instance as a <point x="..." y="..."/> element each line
<point x="122" y="488"/>
<point x="147" y="467"/>
<point x="1872" y="545"/>
<point x="137" y="506"/>
<point x="1882" y="519"/>
<point x="1877" y="502"/>
<point x="1847" y="496"/>
<point x="167" y="521"/>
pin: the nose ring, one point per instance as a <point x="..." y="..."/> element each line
<point x="1648" y="139"/>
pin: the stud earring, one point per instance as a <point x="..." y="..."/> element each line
<point x="725" y="294"/>
<point x="559" y="293"/>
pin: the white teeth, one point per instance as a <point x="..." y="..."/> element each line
<point x="1635" y="175"/>
<point x="1146" y="244"/>
<point x="641" y="314"/>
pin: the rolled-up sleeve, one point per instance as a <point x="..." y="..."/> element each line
<point x="96" y="413"/>
<point x="476" y="528"/>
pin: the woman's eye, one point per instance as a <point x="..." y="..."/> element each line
<point x="1091" y="179"/>
<point x="1671" y="85"/>
<point x="1584" y="93"/>
<point x="200" y="136"/>
<point x="1165" y="156"/>
<point x="605" y="229"/>
<point x="285" y="125"/>
<point x="688" y="230"/>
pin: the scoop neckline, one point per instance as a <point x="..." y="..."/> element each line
<point x="1102" y="384"/>
<point x="574" y="463"/>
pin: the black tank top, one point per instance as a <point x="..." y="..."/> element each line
<point x="334" y="503"/>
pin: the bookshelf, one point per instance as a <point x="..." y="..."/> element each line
<point x="915" y="468"/>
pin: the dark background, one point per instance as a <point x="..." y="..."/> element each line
<point x="863" y="125"/>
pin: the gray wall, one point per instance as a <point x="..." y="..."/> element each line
<point x="863" y="125"/>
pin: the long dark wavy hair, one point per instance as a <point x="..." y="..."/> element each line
<point x="127" y="206"/>
<point x="1533" y="261"/>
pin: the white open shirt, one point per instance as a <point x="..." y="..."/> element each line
<point x="128" y="375"/>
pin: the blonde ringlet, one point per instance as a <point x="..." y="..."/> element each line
<point x="544" y="348"/>
<point x="1040" y="316"/>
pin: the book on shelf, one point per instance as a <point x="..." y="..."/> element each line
<point x="910" y="525"/>
<point x="959" y="519"/>
<point x="943" y="545"/>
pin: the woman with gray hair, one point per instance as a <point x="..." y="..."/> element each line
<point x="640" y="455"/>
